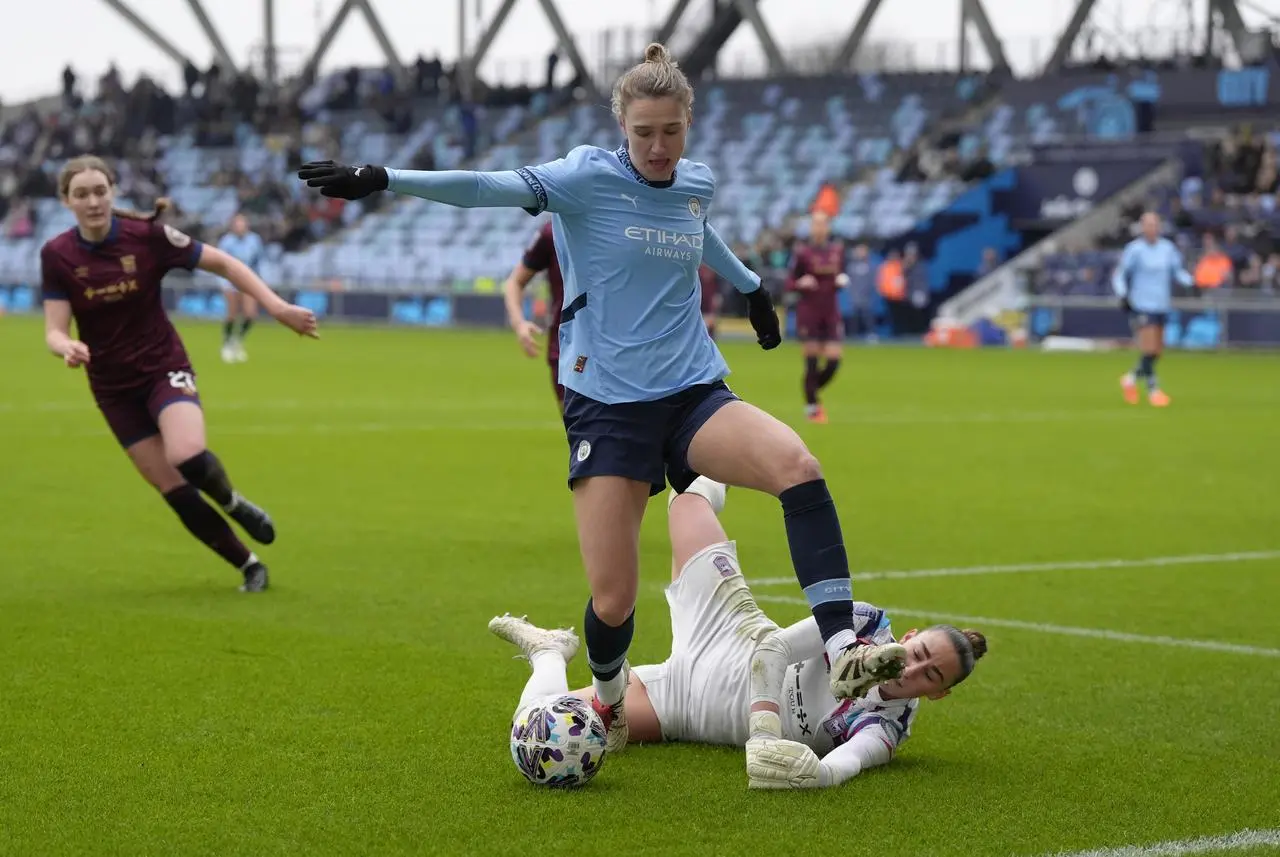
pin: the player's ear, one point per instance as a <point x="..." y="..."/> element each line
<point x="908" y="635"/>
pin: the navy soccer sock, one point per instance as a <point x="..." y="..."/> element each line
<point x="228" y="328"/>
<point x="818" y="554"/>
<point x="245" y="324"/>
<point x="607" y="645"/>
<point x="1148" y="370"/>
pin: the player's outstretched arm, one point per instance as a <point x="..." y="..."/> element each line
<point x="870" y="747"/>
<point x="460" y="188"/>
<point x="298" y="319"/>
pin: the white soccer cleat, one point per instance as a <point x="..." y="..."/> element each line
<point x="519" y="631"/>
<point x="713" y="492"/>
<point x="242" y="356"/>
<point x="228" y="353"/>
<point x="615" y="716"/>
<point x="775" y="763"/>
<point x="862" y="667"/>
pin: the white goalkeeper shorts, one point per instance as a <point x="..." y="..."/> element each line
<point x="702" y="692"/>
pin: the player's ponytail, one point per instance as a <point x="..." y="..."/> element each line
<point x="970" y="646"/>
<point x="659" y="76"/>
<point x="162" y="205"/>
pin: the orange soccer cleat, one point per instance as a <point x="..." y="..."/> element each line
<point x="1159" y="399"/>
<point x="1129" y="385"/>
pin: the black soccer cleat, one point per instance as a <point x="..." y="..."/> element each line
<point x="255" y="578"/>
<point x="255" y="521"/>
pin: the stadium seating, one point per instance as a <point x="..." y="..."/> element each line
<point x="772" y="146"/>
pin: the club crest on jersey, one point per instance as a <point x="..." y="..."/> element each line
<point x="723" y="564"/>
<point x="82" y="272"/>
<point x="695" y="206"/>
<point x="129" y="264"/>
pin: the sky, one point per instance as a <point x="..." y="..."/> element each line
<point x="90" y="34"/>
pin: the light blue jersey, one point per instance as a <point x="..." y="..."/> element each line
<point x="1146" y="273"/>
<point x="248" y="248"/>
<point x="631" y="327"/>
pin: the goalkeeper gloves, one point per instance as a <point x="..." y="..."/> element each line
<point x="341" y="181"/>
<point x="763" y="318"/>
<point x="775" y="763"/>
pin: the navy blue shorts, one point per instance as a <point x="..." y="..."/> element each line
<point x="1145" y="319"/>
<point x="644" y="441"/>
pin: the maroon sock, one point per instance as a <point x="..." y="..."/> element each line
<point x="811" y="380"/>
<point x="207" y="525"/>
<point x="828" y="372"/>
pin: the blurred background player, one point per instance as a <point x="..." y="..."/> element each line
<point x="709" y="283"/>
<point x="646" y="402"/>
<point x="106" y="273"/>
<point x="246" y="245"/>
<point x="1143" y="280"/>
<point x="729" y="657"/>
<point x="817" y="272"/>
<point x="539" y="256"/>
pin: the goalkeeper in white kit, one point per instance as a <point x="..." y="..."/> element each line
<point x="735" y="678"/>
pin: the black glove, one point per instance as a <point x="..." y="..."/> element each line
<point x="764" y="321"/>
<point x="1124" y="305"/>
<point x="341" y="181"/>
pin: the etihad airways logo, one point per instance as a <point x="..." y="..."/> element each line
<point x="665" y="244"/>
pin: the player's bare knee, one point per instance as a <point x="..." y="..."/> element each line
<point x="178" y="451"/>
<point x="613" y="607"/>
<point x="797" y="466"/>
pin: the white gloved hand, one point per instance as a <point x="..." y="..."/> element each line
<point x="775" y="763"/>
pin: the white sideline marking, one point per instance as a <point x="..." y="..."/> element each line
<point x="1179" y="847"/>
<point x="1033" y="567"/>
<point x="1066" y="630"/>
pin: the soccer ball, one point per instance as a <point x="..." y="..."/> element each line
<point x="558" y="742"/>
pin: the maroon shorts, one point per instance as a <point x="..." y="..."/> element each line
<point x="554" y="363"/>
<point x="134" y="414"/>
<point x="820" y="326"/>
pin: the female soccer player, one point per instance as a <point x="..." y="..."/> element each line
<point x="106" y="273"/>
<point x="245" y="245"/>
<point x="540" y="255"/>
<point x="645" y="398"/>
<point x="817" y="274"/>
<point x="729" y="665"/>
<point x="1143" y="280"/>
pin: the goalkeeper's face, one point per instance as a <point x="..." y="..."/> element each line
<point x="933" y="665"/>
<point x="656" y="129"/>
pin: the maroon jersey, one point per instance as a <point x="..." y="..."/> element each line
<point x="824" y="262"/>
<point x="710" y="282"/>
<point x="114" y="291"/>
<point x="541" y="256"/>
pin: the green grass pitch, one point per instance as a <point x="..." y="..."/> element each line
<point x="417" y="480"/>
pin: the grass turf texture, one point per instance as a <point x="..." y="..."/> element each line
<point x="417" y="482"/>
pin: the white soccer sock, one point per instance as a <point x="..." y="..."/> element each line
<point x="838" y="643"/>
<point x="253" y="558"/>
<point x="550" y="677"/>
<point x="611" y="691"/>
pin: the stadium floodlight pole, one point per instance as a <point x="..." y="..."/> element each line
<point x="844" y="56"/>
<point x="751" y="13"/>
<point x="973" y="11"/>
<point x="380" y="34"/>
<point x="1062" y="51"/>
<point x="148" y="31"/>
<point x="211" y="33"/>
<point x="269" y="41"/>
<point x="326" y="40"/>
<point x="486" y="38"/>
<point x="570" y="47"/>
